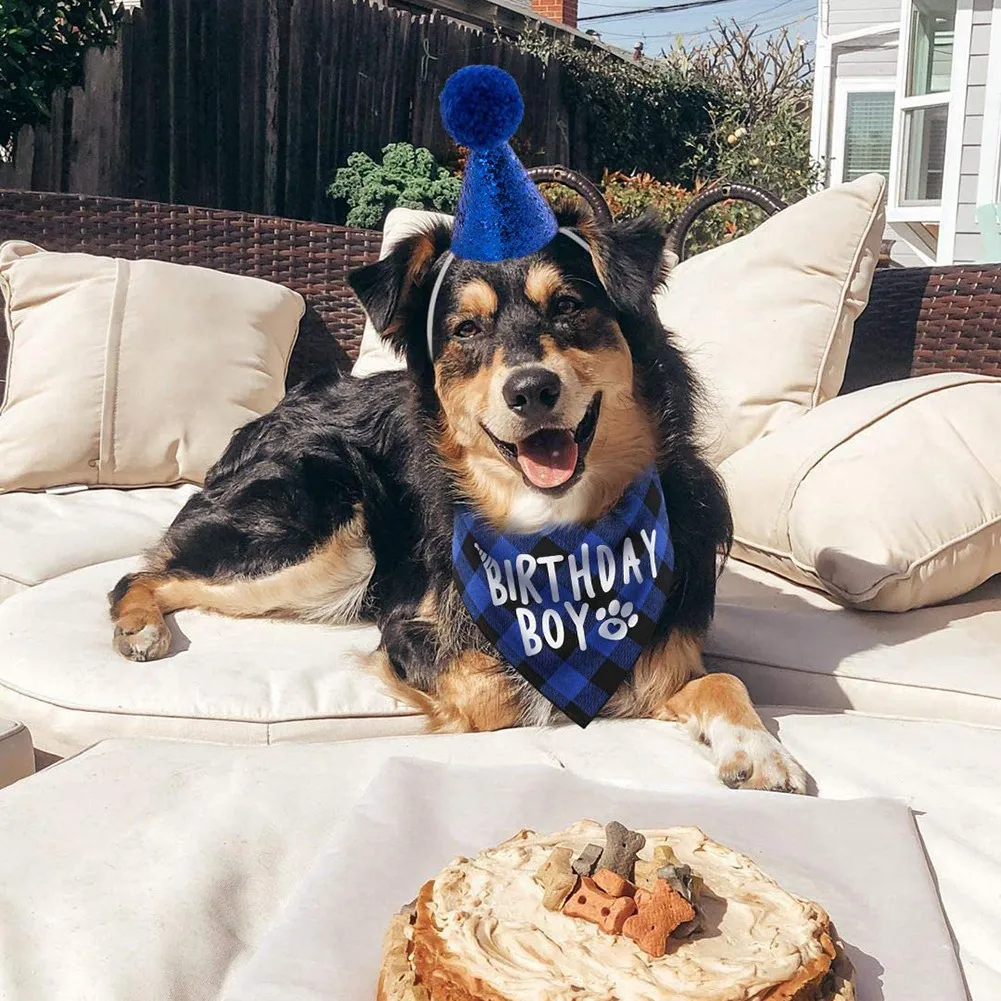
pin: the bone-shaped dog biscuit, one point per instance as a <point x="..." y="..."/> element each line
<point x="621" y="848"/>
<point x="613" y="884"/>
<point x="608" y="913"/>
<point x="658" y="913"/>
<point x="556" y="878"/>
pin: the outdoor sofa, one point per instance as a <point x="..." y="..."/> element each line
<point x="150" y="864"/>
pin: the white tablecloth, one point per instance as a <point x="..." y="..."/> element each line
<point x="149" y="871"/>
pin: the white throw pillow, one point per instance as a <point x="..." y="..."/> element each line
<point x="767" y="320"/>
<point x="374" y="354"/>
<point x="133" y="373"/>
<point x="888" y="498"/>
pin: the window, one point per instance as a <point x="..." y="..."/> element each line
<point x="933" y="26"/>
<point x="925" y="105"/>
<point x="862" y="128"/>
<point x="924" y="142"/>
<point x="868" y="132"/>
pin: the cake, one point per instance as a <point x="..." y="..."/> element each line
<point x="496" y="927"/>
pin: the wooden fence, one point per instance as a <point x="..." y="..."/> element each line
<point x="253" y="104"/>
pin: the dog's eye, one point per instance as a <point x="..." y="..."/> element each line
<point x="565" y="305"/>
<point x="466" y="329"/>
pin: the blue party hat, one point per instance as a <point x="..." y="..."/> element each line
<point x="501" y="214"/>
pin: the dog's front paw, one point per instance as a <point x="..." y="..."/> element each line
<point x="148" y="642"/>
<point x="749" y="758"/>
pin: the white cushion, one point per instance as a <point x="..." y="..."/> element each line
<point x="795" y="646"/>
<point x="151" y="869"/>
<point x="261" y="681"/>
<point x="133" y="373"/>
<point x="43" y="535"/>
<point x="888" y="498"/>
<point x="374" y="354"/>
<point x="230" y="680"/>
<point x="767" y="320"/>
<point x="17" y="759"/>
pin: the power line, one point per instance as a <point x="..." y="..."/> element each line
<point x="784" y="3"/>
<point x="646" y="37"/>
<point x="691" y="5"/>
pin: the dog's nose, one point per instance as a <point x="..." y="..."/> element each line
<point x="532" y="392"/>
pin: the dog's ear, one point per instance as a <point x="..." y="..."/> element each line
<point x="630" y="260"/>
<point x="394" y="289"/>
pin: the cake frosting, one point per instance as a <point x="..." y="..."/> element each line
<point x="481" y="932"/>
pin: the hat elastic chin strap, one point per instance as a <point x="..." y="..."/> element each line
<point x="447" y="260"/>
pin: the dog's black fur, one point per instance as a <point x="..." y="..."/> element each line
<point x="290" y="479"/>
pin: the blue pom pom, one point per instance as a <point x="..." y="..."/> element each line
<point x="481" y="106"/>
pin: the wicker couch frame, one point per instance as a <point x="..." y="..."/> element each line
<point x="918" y="321"/>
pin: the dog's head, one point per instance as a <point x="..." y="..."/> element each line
<point x="532" y="366"/>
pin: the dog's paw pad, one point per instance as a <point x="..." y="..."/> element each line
<point x="617" y="620"/>
<point x="151" y="642"/>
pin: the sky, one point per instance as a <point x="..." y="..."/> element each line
<point x="660" y="30"/>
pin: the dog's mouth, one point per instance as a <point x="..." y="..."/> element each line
<point x="552" y="459"/>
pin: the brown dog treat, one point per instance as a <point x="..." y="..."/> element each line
<point x="608" y="913"/>
<point x="556" y="878"/>
<point x="658" y="914"/>
<point x="683" y="881"/>
<point x="621" y="848"/>
<point x="587" y="861"/>
<point x="680" y="878"/>
<point x="645" y="873"/>
<point x="664" y="855"/>
<point x="689" y="928"/>
<point x="613" y="884"/>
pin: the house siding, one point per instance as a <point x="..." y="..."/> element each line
<point x="969" y="246"/>
<point x="850" y="15"/>
<point x="853" y="15"/>
<point x="868" y="62"/>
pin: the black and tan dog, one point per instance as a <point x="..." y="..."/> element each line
<point x="552" y="386"/>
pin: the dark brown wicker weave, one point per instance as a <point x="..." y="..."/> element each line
<point x="923" y="320"/>
<point x="919" y="319"/>
<point x="312" y="258"/>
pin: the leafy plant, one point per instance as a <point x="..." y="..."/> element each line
<point x="642" y="116"/>
<point x="773" y="153"/>
<point x="408" y="177"/>
<point x="762" y="73"/>
<point x="42" y="49"/>
<point x="762" y="133"/>
<point x="630" y="195"/>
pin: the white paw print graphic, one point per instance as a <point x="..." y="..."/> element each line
<point x="620" y="619"/>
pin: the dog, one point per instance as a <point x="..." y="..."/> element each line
<point x="552" y="385"/>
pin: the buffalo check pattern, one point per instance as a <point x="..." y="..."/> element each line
<point x="621" y="615"/>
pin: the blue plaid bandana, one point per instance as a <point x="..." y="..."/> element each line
<point x="572" y="608"/>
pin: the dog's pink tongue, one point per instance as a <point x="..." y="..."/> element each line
<point x="548" y="458"/>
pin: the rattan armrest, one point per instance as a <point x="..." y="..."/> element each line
<point x="921" y="320"/>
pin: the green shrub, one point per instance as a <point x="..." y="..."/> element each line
<point x="761" y="133"/>
<point x="638" y="117"/>
<point x="630" y="195"/>
<point x="773" y="153"/>
<point x="408" y="177"/>
<point x="42" y="48"/>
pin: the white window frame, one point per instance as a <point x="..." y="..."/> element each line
<point x="845" y="86"/>
<point x="944" y="213"/>
<point x="829" y="48"/>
